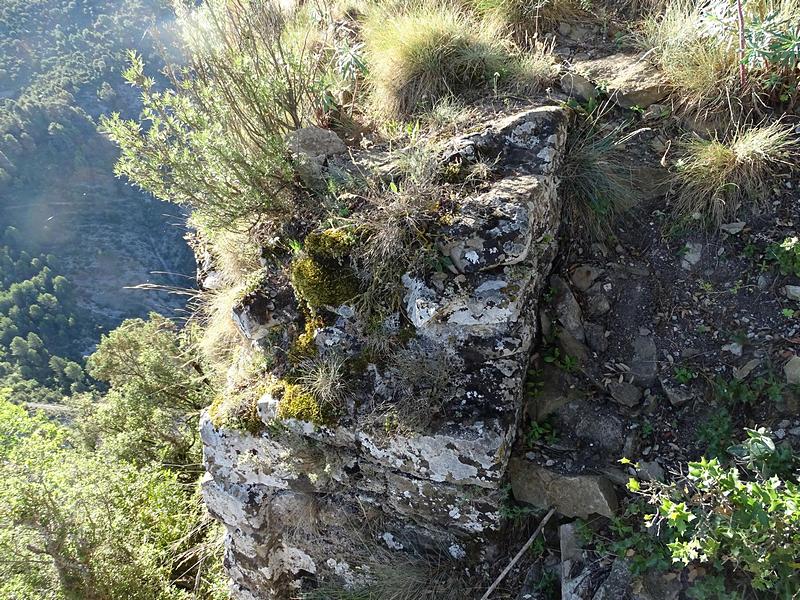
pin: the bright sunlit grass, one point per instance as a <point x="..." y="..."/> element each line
<point x="432" y="51"/>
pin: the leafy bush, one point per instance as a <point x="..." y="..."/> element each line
<point x="215" y="141"/>
<point x="150" y="415"/>
<point x="719" y="517"/>
<point x="718" y="177"/>
<point x="430" y="51"/>
<point x="697" y="47"/>
<point x="77" y="524"/>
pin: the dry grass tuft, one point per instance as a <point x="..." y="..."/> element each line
<point x="410" y="579"/>
<point x="717" y="178"/>
<point x="529" y="19"/>
<point x="324" y="377"/>
<point x="537" y="68"/>
<point x="430" y="51"/>
<point x="221" y="338"/>
<point x="696" y="45"/>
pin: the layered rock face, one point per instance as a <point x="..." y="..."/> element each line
<point x="305" y="504"/>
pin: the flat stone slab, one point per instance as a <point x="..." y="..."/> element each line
<point x="629" y="79"/>
<point x="571" y="495"/>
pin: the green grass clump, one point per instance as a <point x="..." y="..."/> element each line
<point x="596" y="180"/>
<point x="430" y="51"/>
<point x="718" y="177"/>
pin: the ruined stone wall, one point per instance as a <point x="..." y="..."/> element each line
<point x="305" y="504"/>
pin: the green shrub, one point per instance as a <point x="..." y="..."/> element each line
<point x="787" y="255"/>
<point x="720" y="518"/>
<point x="718" y="177"/>
<point x="215" y="141"/>
<point x="430" y="51"/>
<point x="77" y="524"/>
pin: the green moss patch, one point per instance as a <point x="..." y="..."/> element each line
<point x="296" y="403"/>
<point x="321" y="275"/>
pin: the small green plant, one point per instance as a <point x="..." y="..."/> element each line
<point x="564" y="362"/>
<point x="511" y="510"/>
<point x="541" y="431"/>
<point x="750" y="251"/>
<point x="684" y="375"/>
<point x="534" y="384"/>
<point x="716" y="434"/>
<point x="733" y="391"/>
<point x="628" y="539"/>
<point x="789" y="313"/>
<point x="758" y="453"/>
<point x="786" y="255"/>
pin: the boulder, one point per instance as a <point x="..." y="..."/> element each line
<point x="598" y="305"/>
<point x="578" y="86"/>
<point x="571" y="495"/>
<point x="644" y="364"/>
<point x="596" y="337"/>
<point x="311" y="147"/>
<point x="625" y="393"/>
<point x="792" y="370"/>
<point x="567" y="308"/>
<point x="692" y="255"/>
<point x="583" y="276"/>
<point x="792" y="292"/>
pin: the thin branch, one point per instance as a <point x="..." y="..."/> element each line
<point x="519" y="555"/>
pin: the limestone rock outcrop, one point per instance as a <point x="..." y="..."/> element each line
<point x="306" y="504"/>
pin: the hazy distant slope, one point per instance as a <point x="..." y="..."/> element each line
<point x="59" y="69"/>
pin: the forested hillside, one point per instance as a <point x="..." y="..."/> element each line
<point x="60" y="68"/>
<point x="79" y="238"/>
<point x="98" y="449"/>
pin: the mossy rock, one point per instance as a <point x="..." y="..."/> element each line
<point x="330" y="243"/>
<point x="321" y="276"/>
<point x="304" y="346"/>
<point x="296" y="403"/>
